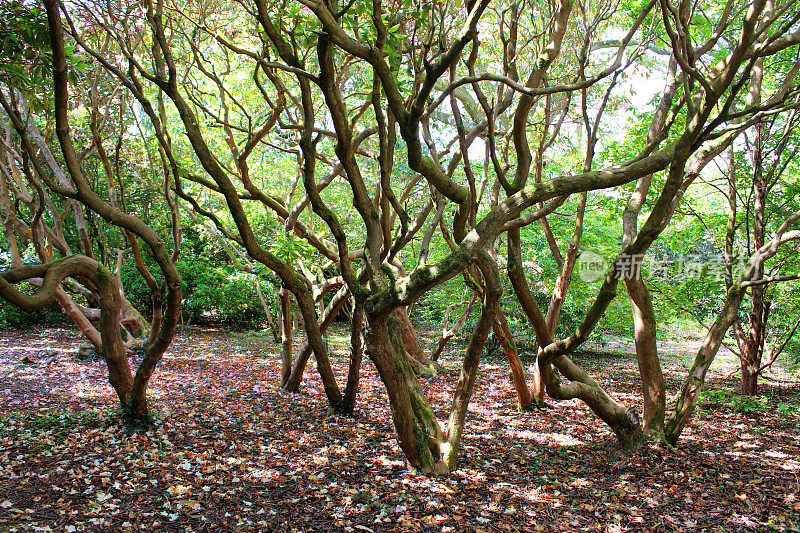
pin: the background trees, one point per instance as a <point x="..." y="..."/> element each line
<point x="369" y="154"/>
<point x="102" y="286"/>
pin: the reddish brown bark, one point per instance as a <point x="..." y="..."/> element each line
<point x="411" y="343"/>
<point x="286" y="334"/>
<point x="503" y="334"/>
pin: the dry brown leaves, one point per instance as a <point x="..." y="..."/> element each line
<point x="233" y="453"/>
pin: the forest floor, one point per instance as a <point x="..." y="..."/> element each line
<point x="233" y="453"/>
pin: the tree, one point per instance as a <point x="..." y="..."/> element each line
<point x="20" y="186"/>
<point x="130" y="388"/>
<point x="765" y="206"/>
<point x="349" y="98"/>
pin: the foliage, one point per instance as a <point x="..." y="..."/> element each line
<point x="718" y="399"/>
<point x="222" y="292"/>
<point x="13" y="317"/>
<point x="291" y="248"/>
<point x="226" y="293"/>
<point x="306" y="143"/>
<point x="136" y="289"/>
<point x="711" y="397"/>
<point x="25" y="55"/>
<point x="748" y="404"/>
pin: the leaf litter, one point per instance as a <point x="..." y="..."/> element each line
<point x="231" y="452"/>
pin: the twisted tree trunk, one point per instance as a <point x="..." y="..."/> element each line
<point x="111" y="346"/>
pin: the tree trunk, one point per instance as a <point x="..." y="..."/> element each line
<point x="286" y="335"/>
<point x="624" y="422"/>
<point x="529" y="306"/>
<point x="267" y="314"/>
<point x="308" y="312"/>
<point x="687" y="400"/>
<point x="412" y="345"/>
<point x="448" y="334"/>
<point x="52" y="274"/>
<point x="564" y="278"/>
<point x="119" y="371"/>
<point x="333" y="309"/>
<point x="138" y="413"/>
<point x="751" y="351"/>
<point x="79" y="318"/>
<point x="356" y="355"/>
<point x="416" y="427"/>
<point x="751" y="354"/>
<point x="653" y="388"/>
<point x="754" y="347"/>
<point x="685" y="405"/>
<point x="503" y="334"/>
<point x="469" y="369"/>
<point x="506" y="339"/>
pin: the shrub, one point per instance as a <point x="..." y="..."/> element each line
<point x="221" y="291"/>
<point x="748" y="404"/>
<point x="229" y="295"/>
<point x="712" y="397"/>
<point x="13" y="317"/>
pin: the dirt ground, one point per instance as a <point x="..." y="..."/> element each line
<point x="233" y="453"/>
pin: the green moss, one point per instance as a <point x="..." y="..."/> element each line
<point x="103" y="275"/>
<point x="535" y="405"/>
<point x="135" y="421"/>
<point x="425" y="457"/>
<point x="424" y="276"/>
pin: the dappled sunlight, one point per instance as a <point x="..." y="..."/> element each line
<point x="263" y="475"/>
<point x="530" y="185"/>
<point x="88" y="391"/>
<point x="549" y="438"/>
<point x="230" y="444"/>
<point x="43" y="371"/>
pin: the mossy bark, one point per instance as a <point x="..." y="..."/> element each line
<point x="469" y="368"/>
<point x="416" y="427"/>
<point x="412" y="345"/>
<point x="652" y="376"/>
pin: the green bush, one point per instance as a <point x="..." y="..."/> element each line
<point x="738" y="404"/>
<point x="229" y="295"/>
<point x="14" y="317"/>
<point x="11" y="316"/>
<point x="709" y="398"/>
<point x="136" y="289"/>
<point x="748" y="404"/>
<point x="788" y="408"/>
<point x="209" y="288"/>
